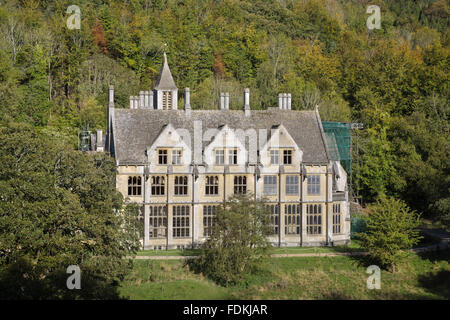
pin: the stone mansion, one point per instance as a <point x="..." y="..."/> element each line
<point x="180" y="164"/>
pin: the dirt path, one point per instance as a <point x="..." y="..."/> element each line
<point x="441" y="234"/>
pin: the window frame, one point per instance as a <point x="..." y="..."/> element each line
<point x="134" y="186"/>
<point x="181" y="221"/>
<point x="290" y="185"/>
<point x="337" y="218"/>
<point x="176" y="154"/>
<point x="314" y="219"/>
<point x="232" y="156"/>
<point x="274" y="154"/>
<point x="163" y="156"/>
<point x="211" y="184"/>
<point x="217" y="156"/>
<point x="270" y="188"/>
<point x="292" y="218"/>
<point x="180" y="185"/>
<point x="240" y="187"/>
<point x="209" y="219"/>
<point x="158" y="215"/>
<point x="159" y="184"/>
<point x="287" y="154"/>
<point x="313" y="184"/>
<point x="274" y="220"/>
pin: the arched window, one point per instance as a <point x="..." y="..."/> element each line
<point x="240" y="184"/>
<point x="158" y="185"/>
<point x="212" y="185"/>
<point x="134" y="186"/>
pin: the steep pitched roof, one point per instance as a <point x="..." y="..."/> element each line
<point x="165" y="80"/>
<point x="136" y="129"/>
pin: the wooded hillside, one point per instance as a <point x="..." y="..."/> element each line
<point x="394" y="80"/>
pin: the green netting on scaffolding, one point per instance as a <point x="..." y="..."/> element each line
<point x="338" y="140"/>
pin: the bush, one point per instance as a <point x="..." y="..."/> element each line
<point x="391" y="228"/>
<point x="442" y="208"/>
<point x="238" y="241"/>
<point x="60" y="207"/>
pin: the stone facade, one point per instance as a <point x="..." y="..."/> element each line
<point x="181" y="164"/>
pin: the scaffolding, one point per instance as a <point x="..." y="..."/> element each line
<point x="339" y="142"/>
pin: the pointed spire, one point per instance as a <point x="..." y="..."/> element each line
<point x="165" y="80"/>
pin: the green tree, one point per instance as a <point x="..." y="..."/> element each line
<point x="59" y="208"/>
<point x="391" y="228"/>
<point x="238" y="241"/>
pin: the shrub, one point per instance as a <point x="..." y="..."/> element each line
<point x="391" y="228"/>
<point x="238" y="241"/>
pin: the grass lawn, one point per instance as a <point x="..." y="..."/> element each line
<point x="425" y="276"/>
<point x="353" y="247"/>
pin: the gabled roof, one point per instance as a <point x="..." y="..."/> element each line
<point x="165" y="80"/>
<point x="136" y="129"/>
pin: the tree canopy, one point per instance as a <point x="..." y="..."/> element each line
<point x="393" y="79"/>
<point x="58" y="208"/>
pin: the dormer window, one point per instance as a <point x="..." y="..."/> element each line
<point x="176" y="156"/>
<point x="167" y="100"/>
<point x="162" y="156"/>
<point x="220" y="157"/>
<point x="232" y="156"/>
<point x="287" y="156"/>
<point x="274" y="157"/>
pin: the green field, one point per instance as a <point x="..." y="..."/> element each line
<point x="424" y="276"/>
<point x="353" y="247"/>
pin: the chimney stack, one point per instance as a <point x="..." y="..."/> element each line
<point x="247" y="102"/>
<point x="222" y="101"/>
<point x="141" y="99"/>
<point x="187" y="101"/>
<point x="136" y="102"/>
<point x="99" y="141"/>
<point x="227" y="100"/>
<point x="131" y="102"/>
<point x="280" y="101"/>
<point x="151" y="99"/>
<point x="146" y="96"/>
<point x="289" y="101"/>
<point x="111" y="96"/>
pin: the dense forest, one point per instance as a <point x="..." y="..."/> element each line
<point x="394" y="80"/>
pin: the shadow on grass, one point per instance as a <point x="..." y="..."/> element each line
<point x="435" y="255"/>
<point x="23" y="280"/>
<point x="437" y="283"/>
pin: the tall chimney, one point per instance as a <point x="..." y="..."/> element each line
<point x="131" y="102"/>
<point x="187" y="100"/>
<point x="136" y="102"/>
<point x="151" y="99"/>
<point x="289" y="101"/>
<point x="227" y="100"/>
<point x="280" y="101"/>
<point x="146" y="94"/>
<point x="99" y="144"/>
<point x="111" y="96"/>
<point x="247" y="102"/>
<point x="141" y="99"/>
<point x="222" y="101"/>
